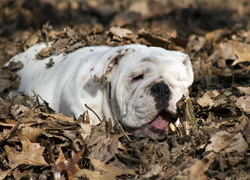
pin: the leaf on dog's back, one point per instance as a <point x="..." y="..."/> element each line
<point x="33" y="39"/>
<point x="45" y="52"/>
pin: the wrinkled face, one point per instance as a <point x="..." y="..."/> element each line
<point x="147" y="92"/>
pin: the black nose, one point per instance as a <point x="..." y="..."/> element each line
<point x="160" y="90"/>
<point x="162" y="94"/>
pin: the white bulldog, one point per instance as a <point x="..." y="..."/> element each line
<point x="146" y="83"/>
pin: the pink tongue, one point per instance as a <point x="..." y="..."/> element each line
<point x="161" y="121"/>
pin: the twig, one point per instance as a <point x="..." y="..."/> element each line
<point x="46" y="104"/>
<point x="189" y="112"/>
<point x="114" y="115"/>
<point x="93" y="112"/>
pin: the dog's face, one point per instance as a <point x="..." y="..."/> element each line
<point x="146" y="85"/>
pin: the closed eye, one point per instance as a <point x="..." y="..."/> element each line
<point x="137" y="78"/>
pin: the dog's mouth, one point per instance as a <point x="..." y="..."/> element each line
<point x="158" y="128"/>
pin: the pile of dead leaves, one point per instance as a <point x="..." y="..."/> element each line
<point x="211" y="143"/>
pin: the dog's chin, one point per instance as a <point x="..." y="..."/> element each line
<point x="157" y="129"/>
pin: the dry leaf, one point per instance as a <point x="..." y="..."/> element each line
<point x="227" y="51"/>
<point x="30" y="133"/>
<point x="45" y="52"/>
<point x="245" y="90"/>
<point x="31" y="154"/>
<point x="217" y="35"/>
<point x="31" y="41"/>
<point x="172" y="43"/>
<point x="241" y="50"/>
<point x="242" y="56"/>
<point x="70" y="166"/>
<point x="198" y="170"/>
<point x="196" y="42"/>
<point x="91" y="175"/>
<point x="121" y="32"/>
<point x="85" y="130"/>
<point x="224" y="141"/>
<point x="103" y="171"/>
<point x="100" y="144"/>
<point x="243" y="103"/>
<point x="206" y="99"/>
<point x="19" y="111"/>
<point x="3" y="174"/>
<point x="60" y="117"/>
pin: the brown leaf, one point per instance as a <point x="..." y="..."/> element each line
<point x="19" y="111"/>
<point x="100" y="144"/>
<point x="198" y="170"/>
<point x="8" y="79"/>
<point x="196" y="42"/>
<point x="243" y="103"/>
<point x="224" y="141"/>
<point x="245" y="90"/>
<point x="30" y="133"/>
<point x="241" y="50"/>
<point x="33" y="39"/>
<point x="3" y="174"/>
<point x="85" y="130"/>
<point x="103" y="171"/>
<point x="71" y="166"/>
<point x="45" y="52"/>
<point x="206" y="99"/>
<point x="59" y="46"/>
<point x="31" y="153"/>
<point x="227" y="51"/>
<point x="121" y="32"/>
<point x="59" y="116"/>
<point x="172" y="43"/>
<point x="217" y="35"/>
<point x="242" y="56"/>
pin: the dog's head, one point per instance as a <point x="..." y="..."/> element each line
<point x="147" y="82"/>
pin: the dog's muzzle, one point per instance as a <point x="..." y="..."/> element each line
<point x="158" y="128"/>
<point x="162" y="94"/>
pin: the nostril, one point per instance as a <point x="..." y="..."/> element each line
<point x="160" y="89"/>
<point x="162" y="95"/>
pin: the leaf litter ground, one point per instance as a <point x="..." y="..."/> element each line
<point x="211" y="143"/>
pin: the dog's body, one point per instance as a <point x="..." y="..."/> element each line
<point x="146" y="83"/>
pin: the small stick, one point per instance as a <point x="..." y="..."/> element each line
<point x="93" y="112"/>
<point x="189" y="112"/>
<point x="113" y="113"/>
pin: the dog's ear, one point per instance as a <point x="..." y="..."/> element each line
<point x="107" y="63"/>
<point x="186" y="61"/>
